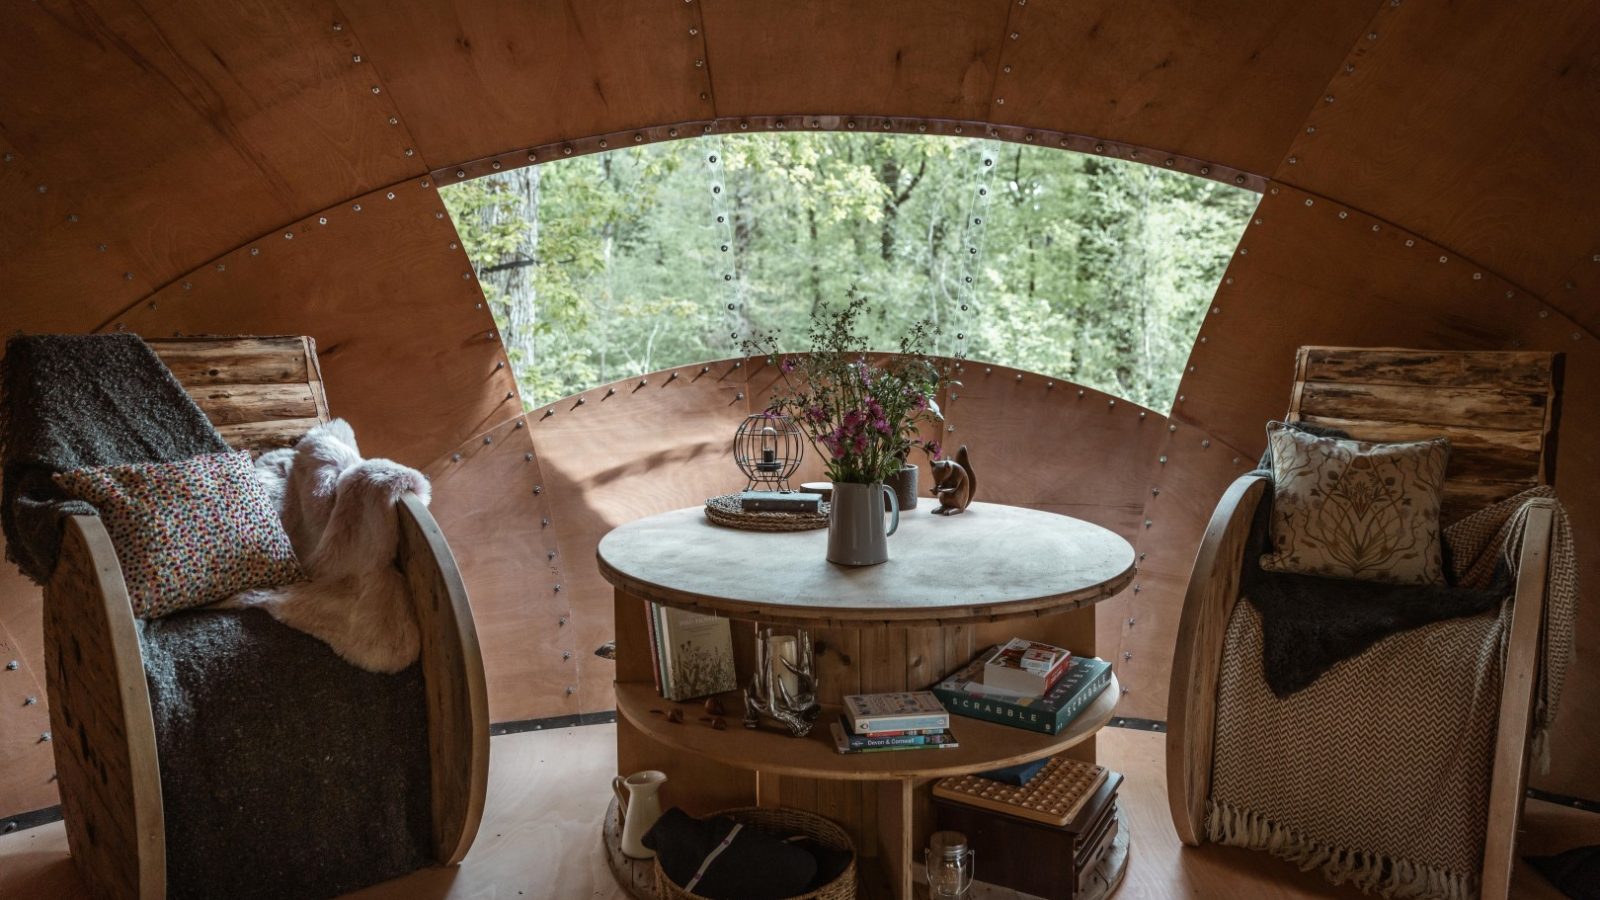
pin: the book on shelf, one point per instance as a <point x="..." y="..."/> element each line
<point x="964" y="694"/>
<point x="844" y="742"/>
<point x="1024" y="667"/>
<point x="901" y="711"/>
<point x="917" y="738"/>
<point x="692" y="653"/>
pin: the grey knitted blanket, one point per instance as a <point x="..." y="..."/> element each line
<point x="69" y="401"/>
<point x="286" y="773"/>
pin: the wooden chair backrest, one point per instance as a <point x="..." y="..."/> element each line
<point x="259" y="392"/>
<point x="1498" y="408"/>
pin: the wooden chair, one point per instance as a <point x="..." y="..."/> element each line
<point x="260" y="393"/>
<point x="1499" y="410"/>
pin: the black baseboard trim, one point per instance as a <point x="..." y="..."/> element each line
<point x="26" y="820"/>
<point x="1138" y="724"/>
<point x="605" y="717"/>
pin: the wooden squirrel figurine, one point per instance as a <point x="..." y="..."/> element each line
<point x="954" y="483"/>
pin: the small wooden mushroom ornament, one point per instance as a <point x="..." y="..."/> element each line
<point x="954" y="483"/>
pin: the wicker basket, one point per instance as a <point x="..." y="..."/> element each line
<point x="786" y="822"/>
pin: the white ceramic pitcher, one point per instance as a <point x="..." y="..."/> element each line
<point x="856" y="536"/>
<point x="640" y="807"/>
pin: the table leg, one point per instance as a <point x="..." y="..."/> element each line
<point x="896" y="835"/>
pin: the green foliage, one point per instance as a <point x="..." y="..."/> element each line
<point x="1091" y="270"/>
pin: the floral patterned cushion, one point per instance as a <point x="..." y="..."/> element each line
<point x="187" y="533"/>
<point x="1350" y="509"/>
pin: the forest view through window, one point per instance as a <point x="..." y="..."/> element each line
<point x="1083" y="268"/>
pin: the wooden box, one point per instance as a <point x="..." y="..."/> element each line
<point x="1031" y="857"/>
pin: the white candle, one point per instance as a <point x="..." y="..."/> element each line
<point x="783" y="647"/>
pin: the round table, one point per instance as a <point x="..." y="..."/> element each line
<point x="952" y="587"/>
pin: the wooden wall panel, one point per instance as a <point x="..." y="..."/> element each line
<point x="27" y="765"/>
<point x="1227" y="82"/>
<point x="631" y="449"/>
<point x="62" y="262"/>
<point x="201" y="123"/>
<point x="1309" y="270"/>
<point x="409" y="355"/>
<point x="1326" y="274"/>
<point x="488" y="497"/>
<point x="925" y="58"/>
<point x="477" y="77"/>
<point x="1477" y="125"/>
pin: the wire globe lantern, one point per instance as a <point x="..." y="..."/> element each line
<point x="768" y="448"/>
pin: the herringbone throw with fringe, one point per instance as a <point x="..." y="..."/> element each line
<point x="1378" y="773"/>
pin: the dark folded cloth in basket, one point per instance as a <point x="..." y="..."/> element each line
<point x="755" y="866"/>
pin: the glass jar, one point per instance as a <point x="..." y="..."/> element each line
<point x="949" y="863"/>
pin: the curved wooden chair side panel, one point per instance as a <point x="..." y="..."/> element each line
<point x="1197" y="659"/>
<point x="452" y="664"/>
<point x="1510" y="778"/>
<point x="100" y="720"/>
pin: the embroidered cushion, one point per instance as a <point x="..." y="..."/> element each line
<point x="1350" y="509"/>
<point x="187" y="533"/>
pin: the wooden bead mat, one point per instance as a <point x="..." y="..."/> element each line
<point x="1053" y="796"/>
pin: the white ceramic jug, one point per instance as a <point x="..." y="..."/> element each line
<point x="640" y="807"/>
<point x="856" y="535"/>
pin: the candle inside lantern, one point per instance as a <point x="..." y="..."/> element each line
<point x="783" y="648"/>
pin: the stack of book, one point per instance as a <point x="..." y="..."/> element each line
<point x="1069" y="691"/>
<point x="902" y="721"/>
<point x="691" y="653"/>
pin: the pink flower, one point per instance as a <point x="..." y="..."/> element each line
<point x="882" y="425"/>
<point x="933" y="448"/>
<point x="787" y="365"/>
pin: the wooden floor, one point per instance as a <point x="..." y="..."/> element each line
<point x="548" y="791"/>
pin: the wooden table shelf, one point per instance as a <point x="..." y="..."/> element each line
<point x="984" y="745"/>
<point x="951" y="588"/>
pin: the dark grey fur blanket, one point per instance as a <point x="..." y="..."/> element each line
<point x="68" y="401"/>
<point x="286" y="773"/>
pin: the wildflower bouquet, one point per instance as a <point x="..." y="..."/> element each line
<point x="863" y="417"/>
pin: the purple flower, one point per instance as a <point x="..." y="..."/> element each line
<point x="933" y="448"/>
<point x="882" y="425"/>
<point x="787" y="365"/>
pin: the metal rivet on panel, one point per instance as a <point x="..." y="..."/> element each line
<point x="566" y="151"/>
<point x="12" y="666"/>
<point x="1343" y="214"/>
<point x="488" y="439"/>
<point x="570" y="689"/>
<point x="288" y="235"/>
<point x="376" y="89"/>
<point x="393" y="121"/>
<point x="455" y="457"/>
<point x="1309" y="201"/>
<point x="1171" y="427"/>
<point x="1171" y="162"/>
<point x="255" y="251"/>
<point x="1477" y="276"/>
<point x="127" y="276"/>
<point x="355" y="57"/>
<point x="390" y="195"/>
<point x="545" y="522"/>
<point x="30" y="701"/>
<point x="558" y="588"/>
<point x="1410" y="242"/>
<point x="565" y="654"/>
<point x="44" y="738"/>
<point x="1444" y="259"/>
<point x="1238" y="179"/>
<point x="1111" y="403"/>
<point x="1162" y="460"/>
<point x="100" y="247"/>
<point x="1015" y="35"/>
<point x="43" y="188"/>
<point x="1205" y="444"/>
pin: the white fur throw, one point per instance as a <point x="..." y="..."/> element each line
<point x="340" y="513"/>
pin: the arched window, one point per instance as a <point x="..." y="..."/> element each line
<point x="1085" y="268"/>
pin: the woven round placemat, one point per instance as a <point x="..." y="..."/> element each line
<point x="725" y="510"/>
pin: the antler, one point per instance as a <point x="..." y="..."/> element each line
<point x="769" y="696"/>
